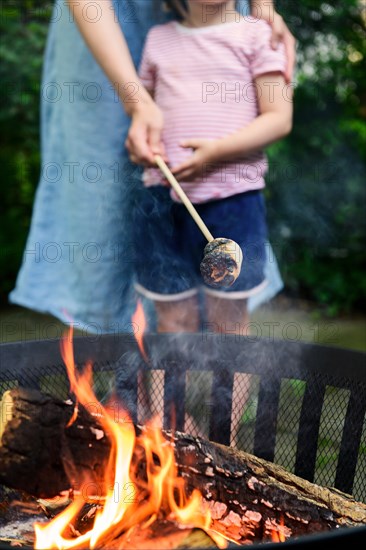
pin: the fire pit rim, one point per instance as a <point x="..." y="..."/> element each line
<point x="106" y="349"/>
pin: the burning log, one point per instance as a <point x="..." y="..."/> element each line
<point x="45" y="449"/>
<point x="39" y="454"/>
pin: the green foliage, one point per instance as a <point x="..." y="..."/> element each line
<point x="23" y="26"/>
<point x="316" y="184"/>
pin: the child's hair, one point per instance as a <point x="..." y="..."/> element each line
<point x="180" y="8"/>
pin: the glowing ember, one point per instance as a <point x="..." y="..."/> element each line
<point x="278" y="534"/>
<point x="119" y="509"/>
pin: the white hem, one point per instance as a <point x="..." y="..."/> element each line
<point x="165" y="297"/>
<point x="238" y="295"/>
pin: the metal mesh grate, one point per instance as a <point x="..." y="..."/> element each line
<point x="291" y="398"/>
<point x="330" y="434"/>
<point x="245" y="406"/>
<point x="307" y="422"/>
<point x="359" y="482"/>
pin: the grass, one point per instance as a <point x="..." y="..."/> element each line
<point x="299" y="320"/>
<point x="280" y="319"/>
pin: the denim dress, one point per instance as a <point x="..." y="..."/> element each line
<point x="78" y="259"/>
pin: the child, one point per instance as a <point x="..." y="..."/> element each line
<point x="222" y="91"/>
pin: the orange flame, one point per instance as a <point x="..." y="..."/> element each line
<point x="139" y="321"/>
<point x="121" y="507"/>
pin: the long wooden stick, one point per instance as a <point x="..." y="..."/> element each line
<point x="183" y="197"/>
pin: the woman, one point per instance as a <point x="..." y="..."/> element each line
<point x="78" y="258"/>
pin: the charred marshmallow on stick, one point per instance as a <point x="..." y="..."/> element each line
<point x="222" y="259"/>
<point x="221" y="264"/>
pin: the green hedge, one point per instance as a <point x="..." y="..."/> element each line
<point x="23" y="26"/>
<point x="316" y="185"/>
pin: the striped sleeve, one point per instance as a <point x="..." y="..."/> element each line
<point x="264" y="58"/>
<point x="147" y="69"/>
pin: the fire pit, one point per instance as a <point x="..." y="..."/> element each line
<point x="305" y="404"/>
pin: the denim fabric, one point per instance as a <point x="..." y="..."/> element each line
<point x="169" y="246"/>
<point x="77" y="262"/>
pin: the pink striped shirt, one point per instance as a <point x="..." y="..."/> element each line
<point x="203" y="80"/>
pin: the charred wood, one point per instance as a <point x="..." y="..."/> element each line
<point x="42" y="454"/>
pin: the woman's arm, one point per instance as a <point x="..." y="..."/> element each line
<point x="109" y="47"/>
<point x="107" y="43"/>
<point x="273" y="123"/>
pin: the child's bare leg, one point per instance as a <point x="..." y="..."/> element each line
<point x="173" y="317"/>
<point x="179" y="316"/>
<point x="227" y="316"/>
<point x="231" y="316"/>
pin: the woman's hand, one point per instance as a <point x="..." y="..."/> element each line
<point x="144" y="136"/>
<point x="205" y="152"/>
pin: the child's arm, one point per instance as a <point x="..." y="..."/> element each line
<point x="273" y="123"/>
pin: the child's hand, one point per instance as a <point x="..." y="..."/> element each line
<point x="205" y="152"/>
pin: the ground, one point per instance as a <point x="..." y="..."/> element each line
<point x="282" y="318"/>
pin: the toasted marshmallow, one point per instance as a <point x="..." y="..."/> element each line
<point x="221" y="264"/>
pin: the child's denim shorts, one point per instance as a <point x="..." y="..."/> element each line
<point x="168" y="245"/>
